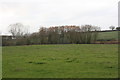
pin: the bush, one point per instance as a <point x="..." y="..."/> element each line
<point x="118" y="28"/>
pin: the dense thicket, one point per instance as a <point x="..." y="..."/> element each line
<point x="85" y="34"/>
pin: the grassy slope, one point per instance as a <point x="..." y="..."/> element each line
<point x="61" y="61"/>
<point x="108" y="35"/>
<point x="0" y="62"/>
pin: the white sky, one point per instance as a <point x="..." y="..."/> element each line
<point x="36" y="13"/>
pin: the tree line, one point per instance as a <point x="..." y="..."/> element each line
<point x="72" y="34"/>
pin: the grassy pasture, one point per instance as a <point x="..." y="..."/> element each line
<point x="113" y="35"/>
<point x="61" y="61"/>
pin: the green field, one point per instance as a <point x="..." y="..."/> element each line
<point x="61" y="61"/>
<point x="0" y="62"/>
<point x="113" y="35"/>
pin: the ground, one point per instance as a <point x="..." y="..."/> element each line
<point x="61" y="61"/>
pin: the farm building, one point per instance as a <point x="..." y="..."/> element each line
<point x="6" y="36"/>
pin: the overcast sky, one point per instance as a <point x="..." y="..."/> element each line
<point x="37" y="13"/>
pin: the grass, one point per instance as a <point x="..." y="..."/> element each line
<point x="0" y="62"/>
<point x="113" y="35"/>
<point x="61" y="61"/>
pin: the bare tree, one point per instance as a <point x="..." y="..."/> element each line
<point x="112" y="27"/>
<point x="88" y="33"/>
<point x="43" y="35"/>
<point x="18" y="30"/>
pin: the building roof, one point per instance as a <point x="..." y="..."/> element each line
<point x="5" y="34"/>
